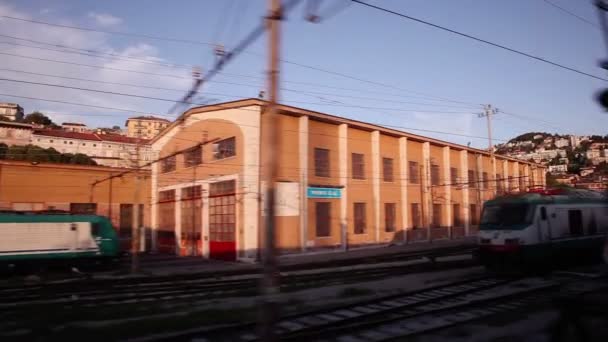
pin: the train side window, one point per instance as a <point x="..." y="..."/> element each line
<point x="73" y="227"/>
<point x="94" y="229"/>
<point x="575" y="221"/>
<point x="543" y="213"/>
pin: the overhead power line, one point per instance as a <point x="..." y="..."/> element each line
<point x="140" y="112"/>
<point x="202" y="104"/>
<point x="249" y="52"/>
<point x="443" y="28"/>
<point x="585" y="20"/>
<point x="296" y="91"/>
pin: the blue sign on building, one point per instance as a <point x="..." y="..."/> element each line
<point x="323" y="193"/>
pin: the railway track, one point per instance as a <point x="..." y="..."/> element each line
<point x="341" y="321"/>
<point x="192" y="289"/>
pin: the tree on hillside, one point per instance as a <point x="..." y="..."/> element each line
<point x="39" y="119"/>
<point x="116" y="128"/>
<point x="38" y="154"/>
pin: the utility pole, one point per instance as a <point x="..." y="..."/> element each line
<point x="135" y="212"/>
<point x="488" y="111"/>
<point x="269" y="284"/>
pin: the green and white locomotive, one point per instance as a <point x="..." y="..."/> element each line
<point x="543" y="227"/>
<point x="36" y="237"/>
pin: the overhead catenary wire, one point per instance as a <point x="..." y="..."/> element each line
<point x="199" y="103"/>
<point x="220" y="94"/>
<point x="144" y="112"/>
<point x="487" y="42"/>
<point x="213" y="44"/>
<point x="581" y="18"/>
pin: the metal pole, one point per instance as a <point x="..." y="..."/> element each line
<point x="488" y="113"/>
<point x="135" y="219"/>
<point x="110" y="200"/>
<point x="269" y="284"/>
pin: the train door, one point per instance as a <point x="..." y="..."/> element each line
<point x="544" y="224"/>
<point x="222" y="220"/>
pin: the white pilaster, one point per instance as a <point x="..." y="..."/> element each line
<point x="154" y="207"/>
<point x="464" y="166"/>
<point x="375" y="137"/>
<point x="303" y="164"/>
<point x="403" y="182"/>
<point x="343" y="174"/>
<point x="526" y="177"/>
<point x="448" y="220"/>
<point x="505" y="175"/>
<point x="426" y="189"/>
<point x="516" y="176"/>
<point x="493" y="176"/>
<point x="205" y="219"/>
<point x="178" y="221"/>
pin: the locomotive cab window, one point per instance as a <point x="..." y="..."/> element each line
<point x="543" y="213"/>
<point x="506" y="216"/>
<point x="95" y="229"/>
<point x="575" y="222"/>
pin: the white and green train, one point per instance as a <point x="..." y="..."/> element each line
<point x="38" y="237"/>
<point x="542" y="227"/>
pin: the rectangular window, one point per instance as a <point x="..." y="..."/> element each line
<point x="474" y="216"/>
<point x="321" y="162"/>
<point x="83" y="208"/>
<point x="413" y="172"/>
<point x="390" y="213"/>
<point x="498" y="182"/>
<point x="416" y="216"/>
<point x="323" y="218"/>
<point x="456" y="221"/>
<point x="193" y="156"/>
<point x="484" y="184"/>
<point x="222" y="188"/>
<point x="359" y="209"/>
<point x="358" y="166"/>
<point x="435" y="179"/>
<point x="436" y="215"/>
<point x="387" y="169"/>
<point x="521" y="182"/>
<point x="166" y="196"/>
<point x="472" y="179"/>
<point x="575" y="221"/>
<point x="224" y="148"/>
<point x="168" y="164"/>
<point x="510" y="185"/>
<point x="453" y="176"/>
<point x="191" y="192"/>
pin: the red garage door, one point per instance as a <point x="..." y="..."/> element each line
<point x="222" y="220"/>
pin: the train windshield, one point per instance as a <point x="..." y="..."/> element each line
<point x="506" y="215"/>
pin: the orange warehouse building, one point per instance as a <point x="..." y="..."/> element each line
<point x="341" y="183"/>
<point x="46" y="186"/>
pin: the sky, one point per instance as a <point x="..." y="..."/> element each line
<point x="375" y="67"/>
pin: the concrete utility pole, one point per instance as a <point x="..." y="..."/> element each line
<point x="269" y="284"/>
<point x="488" y="111"/>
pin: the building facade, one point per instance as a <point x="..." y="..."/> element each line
<point x="341" y="183"/>
<point x="13" y="133"/>
<point x="11" y="111"/>
<point x="74" y="127"/>
<point x="27" y="186"/>
<point x="145" y="127"/>
<point x="111" y="150"/>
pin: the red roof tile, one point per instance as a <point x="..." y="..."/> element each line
<point x="67" y="135"/>
<point x="121" y="138"/>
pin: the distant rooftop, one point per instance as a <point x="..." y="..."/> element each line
<point x="110" y="137"/>
<point x="73" y="124"/>
<point x="148" y="117"/>
<point x="7" y="104"/>
<point x="15" y="124"/>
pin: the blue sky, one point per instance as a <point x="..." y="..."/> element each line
<point x="419" y="66"/>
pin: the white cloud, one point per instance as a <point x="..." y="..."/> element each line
<point x="104" y="19"/>
<point x="92" y="41"/>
